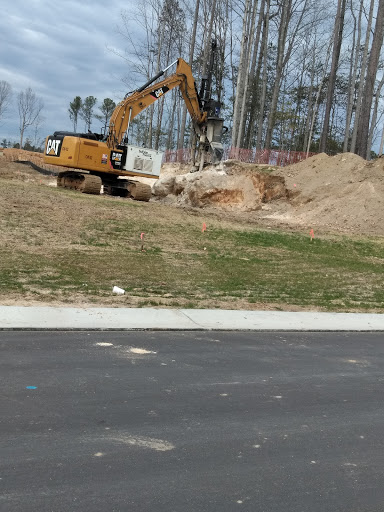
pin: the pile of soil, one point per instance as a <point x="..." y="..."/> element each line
<point x="338" y="194"/>
<point x="231" y="186"/>
<point x="23" y="172"/>
<point x="343" y="193"/>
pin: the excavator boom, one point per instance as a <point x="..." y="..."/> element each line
<point x="142" y="98"/>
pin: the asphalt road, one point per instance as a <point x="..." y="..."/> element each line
<point x="144" y="421"/>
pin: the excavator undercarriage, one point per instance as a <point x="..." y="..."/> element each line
<point x="87" y="183"/>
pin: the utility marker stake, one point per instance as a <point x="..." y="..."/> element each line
<point x="204" y="227"/>
<point x="142" y="241"/>
<point x="312" y="234"/>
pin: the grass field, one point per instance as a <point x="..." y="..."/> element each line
<point x="59" y="246"/>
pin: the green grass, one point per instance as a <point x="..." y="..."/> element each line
<point x="256" y="266"/>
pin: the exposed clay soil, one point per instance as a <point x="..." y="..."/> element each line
<point x="339" y="194"/>
<point x="343" y="193"/>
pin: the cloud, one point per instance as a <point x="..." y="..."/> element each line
<point x="60" y="49"/>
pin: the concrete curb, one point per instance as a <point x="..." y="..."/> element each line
<point x="50" y="318"/>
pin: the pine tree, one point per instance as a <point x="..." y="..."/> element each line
<point x="74" y="110"/>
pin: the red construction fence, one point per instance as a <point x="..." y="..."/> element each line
<point x="276" y="157"/>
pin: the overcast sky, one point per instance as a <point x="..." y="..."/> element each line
<point x="60" y="49"/>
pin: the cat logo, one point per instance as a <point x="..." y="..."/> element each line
<point x="159" y="92"/>
<point x="53" y="147"/>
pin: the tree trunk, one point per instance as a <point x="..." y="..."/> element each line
<point x="316" y="105"/>
<point x="353" y="75"/>
<point x="359" y="99"/>
<point x="208" y="38"/>
<point x="191" y="53"/>
<point x="241" y="73"/>
<point x="242" y="120"/>
<point x="170" y="139"/>
<point x="283" y="30"/>
<point x="254" y="79"/>
<point x="263" y="96"/>
<point x="381" y="143"/>
<point x="150" y="127"/>
<point x="363" y="129"/>
<point x="374" y="117"/>
<point x="310" y="104"/>
<point x="338" y="37"/>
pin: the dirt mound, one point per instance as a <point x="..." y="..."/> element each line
<point x="321" y="171"/>
<point x="33" y="159"/>
<point x="341" y="193"/>
<point x="230" y="186"/>
<point x="13" y="170"/>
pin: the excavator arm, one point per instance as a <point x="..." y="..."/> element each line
<point x="143" y="97"/>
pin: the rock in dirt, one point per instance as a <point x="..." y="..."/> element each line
<point x="230" y="186"/>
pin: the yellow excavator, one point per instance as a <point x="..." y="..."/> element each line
<point x="91" y="161"/>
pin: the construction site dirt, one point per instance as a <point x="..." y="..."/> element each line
<point x="337" y="194"/>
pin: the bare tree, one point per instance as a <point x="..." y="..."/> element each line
<point x="254" y="79"/>
<point x="191" y="52"/>
<point x="314" y="110"/>
<point x="5" y="97"/>
<point x="171" y="27"/>
<point x="246" y="82"/>
<point x="338" y="37"/>
<point x="377" y="41"/>
<point x="38" y="141"/>
<point x="263" y="95"/>
<point x="242" y="71"/>
<point x="353" y="72"/>
<point x="285" y="47"/>
<point x="30" y="107"/>
<point x="373" y="126"/>
<point x="277" y="61"/>
<point x="363" y="70"/>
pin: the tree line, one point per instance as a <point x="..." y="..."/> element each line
<point x="299" y="75"/>
<point x="29" y="107"/>
<point x="304" y="75"/>
<point x="84" y="109"/>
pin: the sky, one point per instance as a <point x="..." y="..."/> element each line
<point x="61" y="49"/>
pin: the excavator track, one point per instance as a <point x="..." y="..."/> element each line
<point x="86" y="183"/>
<point x="140" y="191"/>
<point x="91" y="185"/>
<point x="81" y="181"/>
